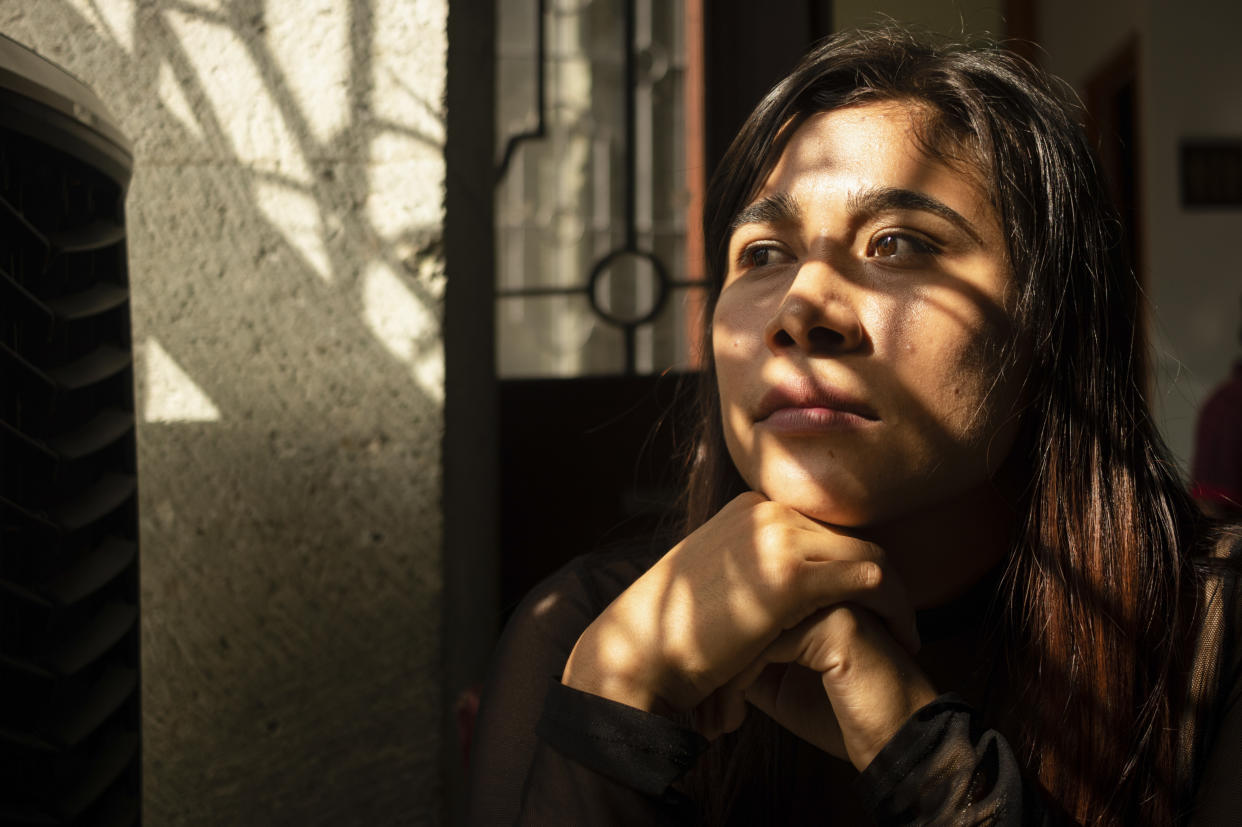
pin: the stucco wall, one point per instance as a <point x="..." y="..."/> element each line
<point x="285" y="220"/>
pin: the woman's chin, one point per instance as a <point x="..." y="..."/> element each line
<point x="827" y="507"/>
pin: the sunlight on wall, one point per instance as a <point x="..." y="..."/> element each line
<point x="203" y="5"/>
<point x="398" y="164"/>
<point x="173" y="98"/>
<point x="399" y="35"/>
<point x="114" y="18"/>
<point x="409" y="149"/>
<point x="171" y="395"/>
<point x="405" y="326"/>
<point x="296" y="214"/>
<point x="316" y="68"/>
<point x="289" y="364"/>
<point x="241" y="102"/>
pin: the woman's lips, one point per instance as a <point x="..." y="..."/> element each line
<point x="806" y="407"/>
<point x="812" y="420"/>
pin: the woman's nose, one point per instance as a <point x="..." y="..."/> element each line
<point x="816" y="315"/>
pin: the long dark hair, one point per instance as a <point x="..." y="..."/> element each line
<point x="1100" y="583"/>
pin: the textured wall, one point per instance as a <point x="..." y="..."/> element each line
<point x="286" y="265"/>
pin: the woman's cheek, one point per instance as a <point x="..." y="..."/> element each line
<point x="739" y="439"/>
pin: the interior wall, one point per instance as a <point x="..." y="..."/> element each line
<point x="1193" y="83"/>
<point x="285" y="220"/>
<point x="1190" y="78"/>
<point x="1078" y="36"/>
<point x="947" y="16"/>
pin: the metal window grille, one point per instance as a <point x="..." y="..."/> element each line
<point x="591" y="195"/>
<point x="69" y="663"/>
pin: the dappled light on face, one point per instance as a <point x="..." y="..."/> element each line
<point x="858" y="361"/>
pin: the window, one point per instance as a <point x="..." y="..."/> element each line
<point x="594" y="188"/>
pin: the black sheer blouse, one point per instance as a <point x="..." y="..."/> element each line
<point x="546" y="754"/>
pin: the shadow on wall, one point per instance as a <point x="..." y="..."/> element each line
<point x="286" y="271"/>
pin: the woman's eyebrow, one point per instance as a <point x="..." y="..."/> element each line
<point x="778" y="208"/>
<point x="879" y="199"/>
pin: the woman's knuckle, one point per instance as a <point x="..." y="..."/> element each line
<point x="772" y="538"/>
<point x="847" y="622"/>
<point x="779" y="572"/>
<point x="744" y="503"/>
<point x="790" y="570"/>
<point x="767" y="511"/>
<point x="841" y="627"/>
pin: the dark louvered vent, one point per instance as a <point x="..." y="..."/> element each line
<point x="69" y="666"/>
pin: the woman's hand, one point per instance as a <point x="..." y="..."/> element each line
<point x="842" y="654"/>
<point x="712" y="607"/>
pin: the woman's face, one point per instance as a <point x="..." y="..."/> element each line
<point x="857" y="337"/>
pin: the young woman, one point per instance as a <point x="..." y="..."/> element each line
<point x="937" y="566"/>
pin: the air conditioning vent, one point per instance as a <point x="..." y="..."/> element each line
<point x="69" y="664"/>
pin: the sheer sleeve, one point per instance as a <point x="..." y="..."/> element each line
<point x="1220" y="795"/>
<point x="585" y="760"/>
<point x="941" y="769"/>
<point x="547" y="754"/>
<point x="1216" y="691"/>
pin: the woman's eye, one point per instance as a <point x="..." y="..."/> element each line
<point x="894" y="245"/>
<point x="762" y="255"/>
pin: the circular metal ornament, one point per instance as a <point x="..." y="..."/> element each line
<point x="602" y="269"/>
